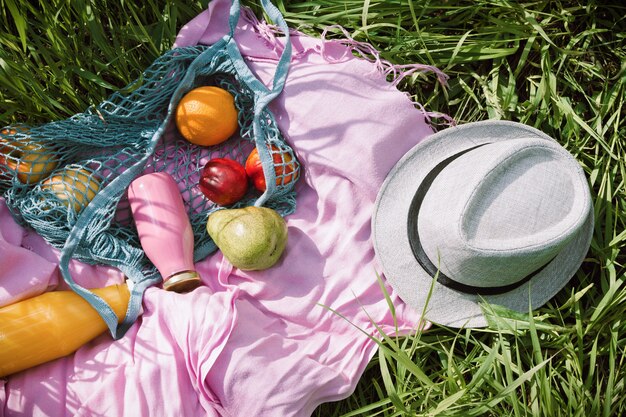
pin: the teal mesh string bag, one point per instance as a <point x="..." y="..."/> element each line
<point x="133" y="133"/>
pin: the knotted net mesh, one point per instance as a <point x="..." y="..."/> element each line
<point x="53" y="174"/>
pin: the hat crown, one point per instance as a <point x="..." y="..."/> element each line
<point x="501" y="211"/>
<point x="499" y="207"/>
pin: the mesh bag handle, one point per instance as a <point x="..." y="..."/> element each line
<point x="263" y="96"/>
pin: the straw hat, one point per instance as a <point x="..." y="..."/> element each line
<point x="498" y="211"/>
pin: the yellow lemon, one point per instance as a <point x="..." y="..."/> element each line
<point x="74" y="186"/>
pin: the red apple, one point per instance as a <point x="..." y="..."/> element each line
<point x="284" y="166"/>
<point x="223" y="181"/>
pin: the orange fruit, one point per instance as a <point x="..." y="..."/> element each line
<point x="35" y="162"/>
<point x="29" y="159"/>
<point x="207" y="116"/>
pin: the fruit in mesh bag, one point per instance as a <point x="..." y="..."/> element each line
<point x="223" y="181"/>
<point x="285" y="168"/>
<point x="75" y="186"/>
<point x="207" y="116"/>
<point x="28" y="159"/>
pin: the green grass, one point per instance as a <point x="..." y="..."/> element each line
<point x="557" y="65"/>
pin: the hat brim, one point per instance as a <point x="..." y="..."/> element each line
<point x="393" y="250"/>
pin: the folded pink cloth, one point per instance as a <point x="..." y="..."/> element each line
<point x="29" y="265"/>
<point x="270" y="343"/>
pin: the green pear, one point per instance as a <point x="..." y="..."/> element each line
<point x="251" y="238"/>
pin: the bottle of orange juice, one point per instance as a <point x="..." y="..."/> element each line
<point x="52" y="325"/>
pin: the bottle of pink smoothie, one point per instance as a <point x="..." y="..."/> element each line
<point x="164" y="229"/>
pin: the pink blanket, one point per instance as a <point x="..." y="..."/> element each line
<point x="248" y="343"/>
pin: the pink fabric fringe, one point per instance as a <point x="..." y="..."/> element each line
<point x="365" y="50"/>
